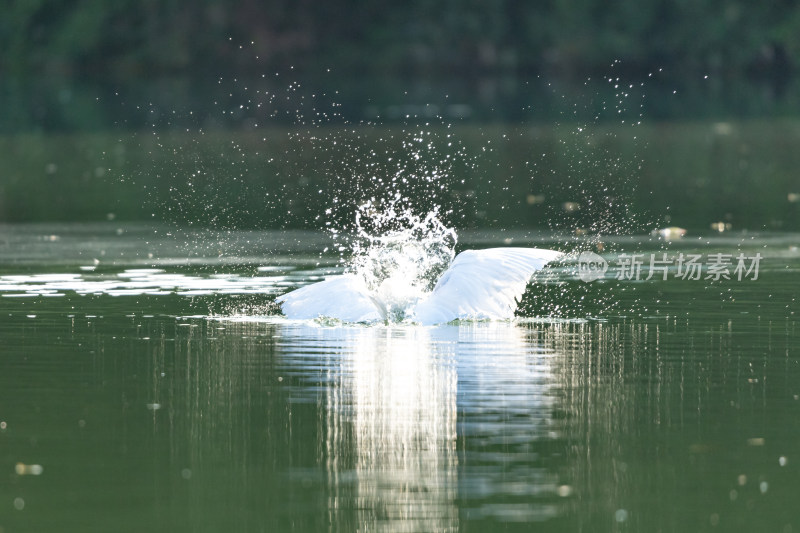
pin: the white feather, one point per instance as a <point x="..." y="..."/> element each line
<point x="345" y="297"/>
<point x="480" y="284"/>
<point x="483" y="284"/>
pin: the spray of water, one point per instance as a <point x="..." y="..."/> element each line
<point x="389" y="193"/>
<point x="398" y="253"/>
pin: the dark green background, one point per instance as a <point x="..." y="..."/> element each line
<point x="260" y="114"/>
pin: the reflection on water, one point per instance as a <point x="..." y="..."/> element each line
<point x="203" y="424"/>
<point x="364" y="422"/>
<point x="506" y="402"/>
<point x="389" y="421"/>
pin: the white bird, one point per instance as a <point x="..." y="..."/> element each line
<point x="480" y="284"/>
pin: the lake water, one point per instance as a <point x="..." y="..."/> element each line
<point x="147" y="383"/>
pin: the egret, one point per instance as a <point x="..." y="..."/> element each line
<point x="479" y="284"/>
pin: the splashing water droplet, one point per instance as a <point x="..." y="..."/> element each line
<point x="398" y="253"/>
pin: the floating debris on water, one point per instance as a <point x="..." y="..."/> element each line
<point x="721" y="226"/>
<point x="570" y="207"/>
<point x="534" y="199"/>
<point x="669" y="234"/>
<point x="154" y="406"/>
<point x="755" y="441"/>
<point x="28" y="470"/>
<point x="793" y="197"/>
<point x="782" y="460"/>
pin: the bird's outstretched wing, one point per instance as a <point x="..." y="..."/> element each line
<point x="483" y="284"/>
<point x="344" y="297"/>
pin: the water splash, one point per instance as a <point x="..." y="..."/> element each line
<point x="399" y="254"/>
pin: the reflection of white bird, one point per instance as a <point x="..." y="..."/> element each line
<point x="480" y="284"/>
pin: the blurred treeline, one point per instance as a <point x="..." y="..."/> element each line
<point x="192" y="110"/>
<point x="129" y="39"/>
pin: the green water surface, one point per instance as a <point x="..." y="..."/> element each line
<point x="147" y="383"/>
